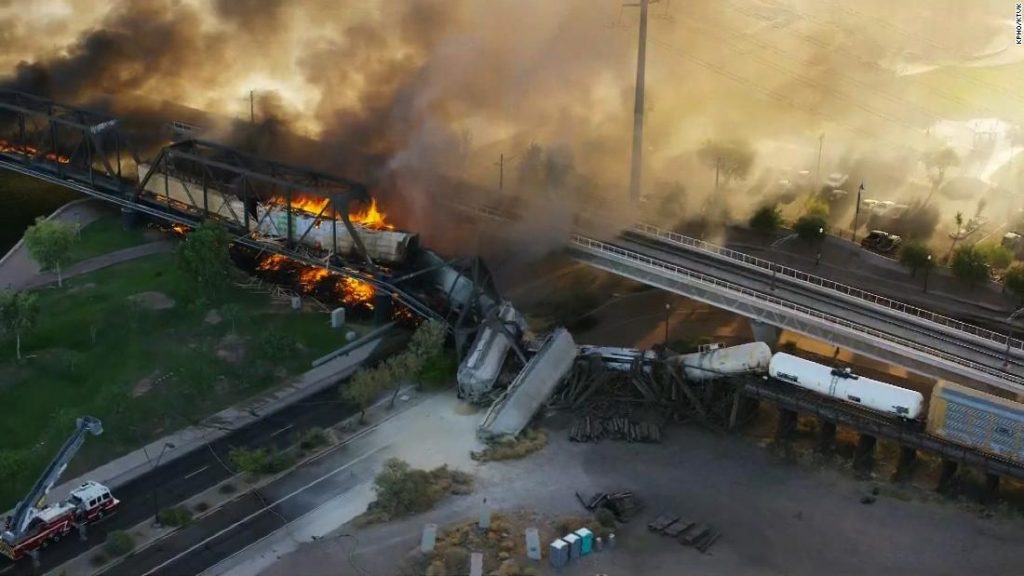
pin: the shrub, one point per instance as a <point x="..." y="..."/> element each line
<point x="256" y="462"/>
<point x="766" y="220"/>
<point x="403" y="490"/>
<point x="916" y="256"/>
<point x="1014" y="281"/>
<point x="98" y="559"/>
<point x="998" y="257"/>
<point x="275" y="346"/>
<point x="605" y="517"/>
<point x="969" y="266"/>
<point x="438" y="371"/>
<point x="227" y="488"/>
<point x="119" y="543"/>
<point x="528" y="443"/>
<point x="313" y="438"/>
<point x="810" y="226"/>
<point x="175" y="516"/>
<point x="201" y="507"/>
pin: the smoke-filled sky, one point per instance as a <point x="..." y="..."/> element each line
<point x="409" y="82"/>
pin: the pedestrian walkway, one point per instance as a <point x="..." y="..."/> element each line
<point x="18" y="267"/>
<point x="99" y="262"/>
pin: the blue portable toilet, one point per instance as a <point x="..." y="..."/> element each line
<point x="586" y="541"/>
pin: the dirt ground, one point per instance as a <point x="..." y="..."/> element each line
<point x="776" y="517"/>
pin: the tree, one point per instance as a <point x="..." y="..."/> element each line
<point x="428" y="340"/>
<point x="204" y="257"/>
<point x="916" y="256"/>
<point x="998" y="257"/>
<point x="766" y="220"/>
<point x="937" y="162"/>
<point x="402" y="489"/>
<point x="731" y="159"/>
<point x="969" y="266"/>
<point x="50" y="243"/>
<point x="1014" y="281"/>
<point x="959" y="221"/>
<point x="364" y="387"/>
<point x="18" y="312"/>
<point x="811" y="227"/>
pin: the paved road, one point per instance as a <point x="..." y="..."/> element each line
<point x="823" y="302"/>
<point x="190" y="474"/>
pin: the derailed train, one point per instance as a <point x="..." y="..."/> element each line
<point x="277" y="220"/>
<point x="955" y="413"/>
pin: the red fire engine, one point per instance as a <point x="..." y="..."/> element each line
<point x="34" y="526"/>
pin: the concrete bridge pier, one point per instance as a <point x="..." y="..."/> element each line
<point x="906" y="464"/>
<point x="991" y="488"/>
<point x="765" y="333"/>
<point x="949" y="468"/>
<point x="864" y="456"/>
<point x="786" y="426"/>
<point x="826" y="436"/>
<point x="129" y="218"/>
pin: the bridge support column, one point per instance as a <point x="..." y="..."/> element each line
<point x="765" y="333"/>
<point x="864" y="457"/>
<point x="949" y="468"/>
<point x="734" y="414"/>
<point x="381" y="308"/>
<point x="786" y="426"/>
<point x="129" y="218"/>
<point x="826" y="436"/>
<point x="991" y="488"/>
<point x="906" y="464"/>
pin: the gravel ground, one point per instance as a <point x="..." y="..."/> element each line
<point x="777" y="518"/>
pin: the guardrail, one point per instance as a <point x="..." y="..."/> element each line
<point x="888" y="303"/>
<point x="660" y="266"/>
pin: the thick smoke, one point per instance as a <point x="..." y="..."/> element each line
<point x="415" y="96"/>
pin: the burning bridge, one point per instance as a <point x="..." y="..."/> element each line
<point x="285" y="212"/>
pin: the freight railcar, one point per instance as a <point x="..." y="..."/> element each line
<point x="711" y="363"/>
<point x="846" y="386"/>
<point x="386" y="246"/>
<point x="978" y="420"/>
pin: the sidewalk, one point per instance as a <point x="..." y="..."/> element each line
<point x="17" y="266"/>
<point x="132" y="465"/>
<point x="99" y="262"/>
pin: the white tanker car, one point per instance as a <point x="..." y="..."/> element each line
<point x="847" y="386"/>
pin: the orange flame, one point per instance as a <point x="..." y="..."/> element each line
<point x="271" y="262"/>
<point x="310" y="277"/>
<point x="26" y="150"/>
<point x="355" y="292"/>
<point x="372" y="217"/>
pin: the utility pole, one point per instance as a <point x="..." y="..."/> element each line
<point x="821" y="144"/>
<point x="856" y="214"/>
<point x="636" y="168"/>
<point x="252" y="108"/>
<point x="501" y="173"/>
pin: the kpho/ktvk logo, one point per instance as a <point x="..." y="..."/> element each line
<point x="1018" y="19"/>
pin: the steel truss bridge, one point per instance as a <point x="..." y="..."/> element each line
<point x="92" y="153"/>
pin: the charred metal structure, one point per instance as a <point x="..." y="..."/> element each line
<point x="298" y="213"/>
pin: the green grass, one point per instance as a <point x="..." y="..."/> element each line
<point x="92" y="346"/>
<point x="104" y="236"/>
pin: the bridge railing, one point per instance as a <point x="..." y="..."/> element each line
<point x="895" y="305"/>
<point x="635" y="258"/>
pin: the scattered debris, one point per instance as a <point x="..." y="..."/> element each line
<point x="625" y="505"/>
<point x="689" y="533"/>
<point x="595" y="428"/>
<point x="527" y="443"/>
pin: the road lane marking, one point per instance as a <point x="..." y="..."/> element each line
<point x="193" y="473"/>
<point x="285" y="429"/>
<point x="264" y="509"/>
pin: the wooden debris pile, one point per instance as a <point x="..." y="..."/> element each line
<point x="687" y="532"/>
<point x="594" y="428"/>
<point x="625" y="505"/>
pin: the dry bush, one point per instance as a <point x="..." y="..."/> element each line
<point x="529" y="442"/>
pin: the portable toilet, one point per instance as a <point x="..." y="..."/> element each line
<point x="586" y="541"/>
<point x="558" y="551"/>
<point x="574" y="546"/>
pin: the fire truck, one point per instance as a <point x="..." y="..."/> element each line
<point x="34" y="525"/>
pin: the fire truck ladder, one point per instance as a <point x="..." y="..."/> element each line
<point x="29" y="505"/>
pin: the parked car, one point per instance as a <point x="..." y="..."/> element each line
<point x="881" y="241"/>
